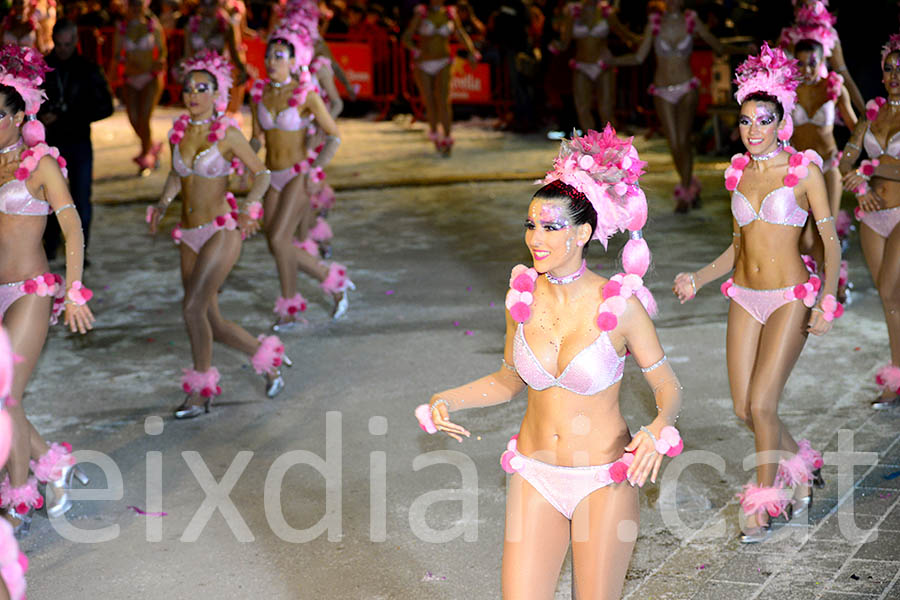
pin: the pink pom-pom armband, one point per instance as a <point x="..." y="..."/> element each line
<point x="520" y="296"/>
<point x="831" y="308"/>
<point x="255" y="210"/>
<point x="78" y="294"/>
<point x="669" y="441"/>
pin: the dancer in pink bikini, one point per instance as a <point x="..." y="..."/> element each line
<point x="775" y="189"/>
<point x="588" y="23"/>
<point x="141" y="45"/>
<point x="876" y="184"/>
<point x="433" y="24"/>
<point x="284" y="109"/>
<point x="212" y="226"/>
<point x="567" y="333"/>
<point x="21" y="25"/>
<point x="821" y="96"/>
<point x="671" y="36"/>
<point x="31" y="298"/>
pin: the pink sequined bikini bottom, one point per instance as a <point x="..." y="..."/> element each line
<point x="434" y="66"/>
<point x="12" y="291"/>
<point x="881" y="222"/>
<point x="760" y="303"/>
<point x="592" y="70"/>
<point x="563" y="487"/>
<point x="280" y="178"/>
<point x="674" y="93"/>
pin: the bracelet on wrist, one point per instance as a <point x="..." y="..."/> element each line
<point x="669" y="441"/>
<point x="831" y="308"/>
<point x="78" y="293"/>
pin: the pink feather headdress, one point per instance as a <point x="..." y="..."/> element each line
<point x="23" y="69"/>
<point x="605" y="168"/>
<point x="219" y="67"/>
<point x="821" y="33"/>
<point x="305" y="13"/>
<point x="773" y="73"/>
<point x="814" y="14"/>
<point x="299" y="37"/>
<point x="893" y="45"/>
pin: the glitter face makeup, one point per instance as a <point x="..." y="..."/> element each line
<point x="891" y="74"/>
<point x="544" y="229"/>
<point x="758" y="125"/>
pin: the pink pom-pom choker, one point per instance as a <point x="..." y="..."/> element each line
<point x="771" y="72"/>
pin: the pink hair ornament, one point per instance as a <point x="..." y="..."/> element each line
<point x="773" y="73"/>
<point x="295" y="34"/>
<point x="24" y="69"/>
<point x="892" y="45"/>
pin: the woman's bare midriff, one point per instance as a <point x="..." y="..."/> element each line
<point x="22" y="255"/>
<point x="768" y="257"/>
<point x="284" y="149"/>
<point x="203" y="200"/>
<point x="567" y="429"/>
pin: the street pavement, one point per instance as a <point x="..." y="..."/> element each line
<point x="332" y="491"/>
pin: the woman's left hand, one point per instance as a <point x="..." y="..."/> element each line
<point x="646" y="459"/>
<point x="248" y="226"/>
<point x="817" y="323"/>
<point x="79" y="318"/>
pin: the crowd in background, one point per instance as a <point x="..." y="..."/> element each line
<point x="523" y="29"/>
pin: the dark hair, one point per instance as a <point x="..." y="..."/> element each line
<point x="809" y="46"/>
<point x="64" y="25"/>
<point x="283" y="42"/>
<point x="13" y="99"/>
<point x="764" y="97"/>
<point x="580" y="208"/>
<point x="215" y="83"/>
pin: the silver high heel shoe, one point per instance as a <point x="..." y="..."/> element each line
<point x="24" y="527"/>
<point x="60" y="503"/>
<point x="341" y="306"/>
<point x="189" y="411"/>
<point x="275" y="385"/>
<point x="885" y="403"/>
<point x="758" y="534"/>
<point x="286" y="326"/>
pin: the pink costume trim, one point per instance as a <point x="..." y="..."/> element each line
<point x="139" y="81"/>
<point x="433" y="66"/>
<point x="269" y="355"/>
<point x="881" y="222"/>
<point x="674" y="93"/>
<point x="323" y="200"/>
<point x="892" y="45"/>
<point x="812" y="458"/>
<point x="759" y="499"/>
<point x="24" y="70"/>
<point x="20" y="499"/>
<point x="423" y="415"/>
<point x="760" y="304"/>
<point x="13" y="563"/>
<point x="321" y="231"/>
<point x="888" y="378"/>
<point x="843" y="223"/>
<point x="792" y="472"/>
<point x="563" y="487"/>
<point x="289" y="307"/>
<point x="592" y="70"/>
<point x="52" y="464"/>
<point x="48" y="284"/>
<point x="307" y="245"/>
<point x="196" y="237"/>
<point x="205" y="383"/>
<point x="280" y="178"/>
<point x="336" y="281"/>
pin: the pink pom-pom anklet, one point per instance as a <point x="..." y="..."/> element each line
<point x="758" y="499"/>
<point x="269" y="355"/>
<point x="289" y="307"/>
<point x="21" y="499"/>
<point x="336" y="281"/>
<point x="204" y="383"/>
<point x="52" y="464"/>
<point x="888" y="378"/>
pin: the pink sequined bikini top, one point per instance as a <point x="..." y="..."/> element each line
<point x="207" y="163"/>
<point x="595" y="368"/>
<point x="779" y="207"/>
<point x="287" y="120"/>
<point x="600" y="30"/>
<point x="874" y="149"/>
<point x="15" y="199"/>
<point x="823" y="117"/>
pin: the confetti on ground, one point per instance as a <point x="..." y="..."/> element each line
<point x="893" y="475"/>
<point x="429" y="576"/>
<point x="469" y="332"/>
<point x="491" y="305"/>
<point x="389" y="293"/>
<point x="468" y="288"/>
<point x="701" y="567"/>
<point x="148" y="514"/>
<point x="857" y="349"/>
<point x="885" y="495"/>
<point x="456" y="323"/>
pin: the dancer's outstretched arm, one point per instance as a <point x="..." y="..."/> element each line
<point x="499" y="387"/>
<point x="688" y="284"/>
<point x="817" y="196"/>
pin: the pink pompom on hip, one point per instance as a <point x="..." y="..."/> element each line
<point x="618" y="471"/>
<point x="725" y="288"/>
<point x="506" y="460"/>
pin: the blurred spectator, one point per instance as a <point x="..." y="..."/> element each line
<point x="77" y="95"/>
<point x="169" y="14"/>
<point x="364" y="27"/>
<point x="511" y="51"/>
<point x="473" y="26"/>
